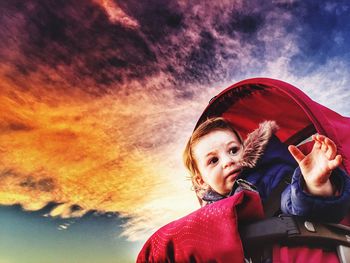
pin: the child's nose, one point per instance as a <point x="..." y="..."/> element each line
<point x="228" y="161"/>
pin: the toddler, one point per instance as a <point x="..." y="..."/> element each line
<point x="216" y="157"/>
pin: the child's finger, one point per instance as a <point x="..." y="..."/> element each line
<point x="335" y="162"/>
<point x="320" y="138"/>
<point x="317" y="145"/>
<point x="324" y="147"/>
<point x="316" y="138"/>
<point x="329" y="142"/>
<point x="296" y="153"/>
<point x="332" y="149"/>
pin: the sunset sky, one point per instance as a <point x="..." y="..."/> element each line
<point x="98" y="98"/>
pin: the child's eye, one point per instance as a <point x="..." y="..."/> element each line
<point x="213" y="160"/>
<point x="234" y="150"/>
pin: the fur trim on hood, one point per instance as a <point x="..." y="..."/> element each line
<point x="255" y="143"/>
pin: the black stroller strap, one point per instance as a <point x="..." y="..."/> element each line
<point x="292" y="230"/>
<point x="258" y="237"/>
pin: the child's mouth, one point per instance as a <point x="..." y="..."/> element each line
<point x="234" y="173"/>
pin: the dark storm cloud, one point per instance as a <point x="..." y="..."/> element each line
<point x="43" y="184"/>
<point x="75" y="208"/>
<point x="78" y="36"/>
<point x="157" y="19"/>
<point x="240" y="22"/>
<point x="13" y="126"/>
<point x="191" y="43"/>
<point x="29" y="181"/>
<point x="324" y="34"/>
<point x="201" y="59"/>
<point x="8" y="173"/>
<point x="210" y="55"/>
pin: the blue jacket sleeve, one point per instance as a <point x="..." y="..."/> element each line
<point x="327" y="209"/>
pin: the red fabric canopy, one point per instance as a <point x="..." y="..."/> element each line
<point x="249" y="102"/>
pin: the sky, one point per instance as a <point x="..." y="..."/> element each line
<point x="98" y="98"/>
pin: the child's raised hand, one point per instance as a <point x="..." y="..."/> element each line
<point x="317" y="166"/>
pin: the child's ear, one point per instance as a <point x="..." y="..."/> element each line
<point x="200" y="181"/>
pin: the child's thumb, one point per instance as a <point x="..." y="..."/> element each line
<point x="296" y="153"/>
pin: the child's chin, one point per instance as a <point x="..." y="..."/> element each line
<point x="229" y="187"/>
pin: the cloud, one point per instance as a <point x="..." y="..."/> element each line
<point x="66" y="43"/>
<point x="110" y="154"/>
<point x="321" y="34"/>
<point x="116" y="14"/>
<point x="62" y="227"/>
<point x="98" y="98"/>
<point x="75" y="44"/>
<point x="327" y="85"/>
<point x="141" y="223"/>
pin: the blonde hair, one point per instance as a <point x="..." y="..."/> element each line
<point x="210" y="125"/>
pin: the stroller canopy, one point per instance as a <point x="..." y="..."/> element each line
<point x="211" y="233"/>
<point x="249" y="102"/>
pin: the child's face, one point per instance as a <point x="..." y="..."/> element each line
<point x="218" y="154"/>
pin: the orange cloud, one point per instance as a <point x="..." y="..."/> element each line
<point x="112" y="153"/>
<point x="116" y="14"/>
